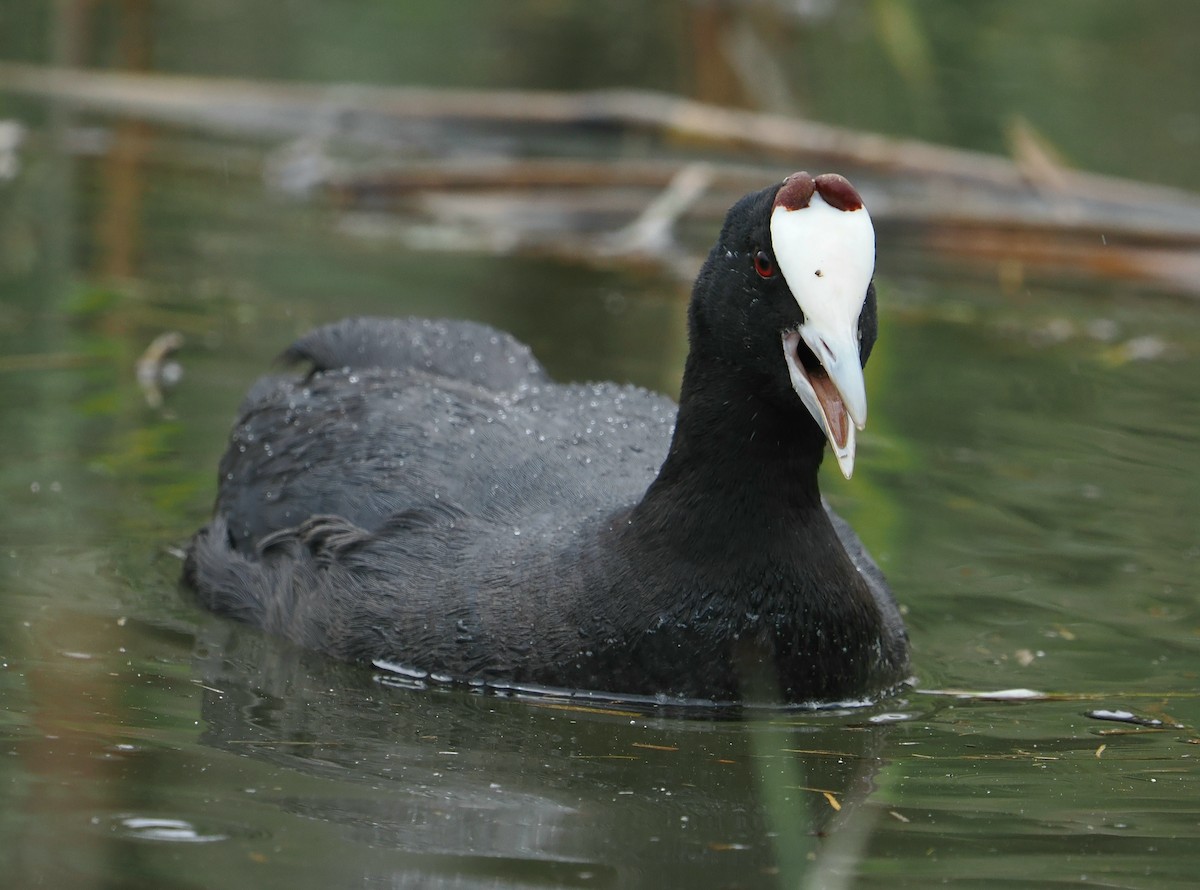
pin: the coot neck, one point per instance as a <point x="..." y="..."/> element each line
<point x="741" y="473"/>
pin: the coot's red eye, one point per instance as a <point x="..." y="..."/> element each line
<point x="764" y="265"/>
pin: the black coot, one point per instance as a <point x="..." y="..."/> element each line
<point x="427" y="498"/>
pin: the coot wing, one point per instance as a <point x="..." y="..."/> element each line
<point x="465" y="351"/>
<point x="420" y="429"/>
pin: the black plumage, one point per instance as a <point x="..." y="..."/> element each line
<point x="426" y="496"/>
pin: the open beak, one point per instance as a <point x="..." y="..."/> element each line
<point x="833" y="392"/>
<point x="824" y="244"/>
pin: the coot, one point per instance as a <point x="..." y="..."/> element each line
<point x="426" y="498"/>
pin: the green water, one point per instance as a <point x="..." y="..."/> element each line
<point x="1027" y="482"/>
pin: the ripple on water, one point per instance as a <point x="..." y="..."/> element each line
<point x="163" y="829"/>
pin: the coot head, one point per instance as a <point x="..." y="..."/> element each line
<point x="786" y="297"/>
